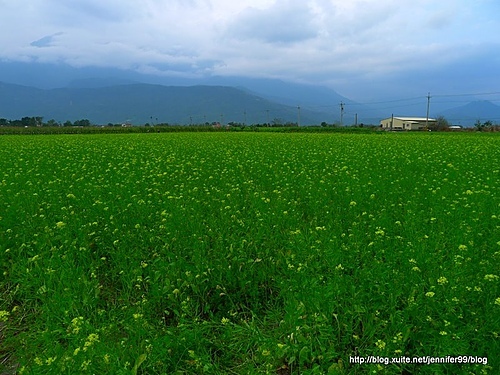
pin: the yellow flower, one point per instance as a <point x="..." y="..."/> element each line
<point x="442" y="280"/>
<point x="50" y="360"/>
<point x="430" y="294"/>
<point x="380" y="344"/>
<point x="4" y="315"/>
<point x="491" y="277"/>
<point x="60" y="224"/>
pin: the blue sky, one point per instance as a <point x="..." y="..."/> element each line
<point x="363" y="49"/>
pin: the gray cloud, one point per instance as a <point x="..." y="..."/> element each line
<point x="46" y="41"/>
<point x="344" y="43"/>
<point x="285" y="22"/>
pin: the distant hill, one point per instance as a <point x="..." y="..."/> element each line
<point x="468" y="114"/>
<point x="311" y="97"/>
<point x="321" y="100"/>
<point x="147" y="103"/>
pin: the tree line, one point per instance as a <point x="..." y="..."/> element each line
<point x="37" y="121"/>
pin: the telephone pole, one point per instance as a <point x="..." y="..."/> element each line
<point x="298" y="122"/>
<point x="428" y="107"/>
<point x="341" y="113"/>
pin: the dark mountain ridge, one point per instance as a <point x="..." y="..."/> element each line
<point x="147" y="103"/>
<point x="468" y="114"/>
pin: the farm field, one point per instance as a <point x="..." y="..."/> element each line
<point x="249" y="253"/>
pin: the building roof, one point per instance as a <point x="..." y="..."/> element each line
<point x="414" y="118"/>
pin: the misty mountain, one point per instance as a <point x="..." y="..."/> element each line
<point x="145" y="103"/>
<point x="469" y="113"/>
<point x="89" y="83"/>
<point x="312" y="99"/>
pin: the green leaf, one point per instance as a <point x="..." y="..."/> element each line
<point x="138" y="362"/>
<point x="336" y="368"/>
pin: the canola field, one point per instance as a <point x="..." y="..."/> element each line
<point x="250" y="253"/>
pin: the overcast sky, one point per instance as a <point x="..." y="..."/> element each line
<point x="358" y="47"/>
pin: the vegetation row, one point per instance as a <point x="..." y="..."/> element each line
<point x="239" y="253"/>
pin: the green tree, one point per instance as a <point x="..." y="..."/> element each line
<point x="28" y="121"/>
<point x="478" y="125"/>
<point x="277" y="122"/>
<point x="441" y="124"/>
<point x="52" y="122"/>
<point x="83" y="122"/>
<point x="488" y="124"/>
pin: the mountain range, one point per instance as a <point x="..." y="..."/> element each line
<point x="114" y="96"/>
<point x="147" y="103"/>
<point x="468" y="114"/>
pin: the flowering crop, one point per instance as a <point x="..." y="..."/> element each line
<point x="248" y="252"/>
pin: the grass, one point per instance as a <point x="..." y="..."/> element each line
<point x="248" y="253"/>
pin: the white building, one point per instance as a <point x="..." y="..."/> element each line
<point x="407" y="123"/>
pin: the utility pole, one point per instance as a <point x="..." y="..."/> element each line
<point x="245" y="113"/>
<point x="428" y="106"/>
<point x="341" y="113"/>
<point x="356" y="120"/>
<point x="298" y="122"/>
<point x="267" y="118"/>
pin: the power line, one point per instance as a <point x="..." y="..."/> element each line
<point x="476" y="94"/>
<point x="422" y="97"/>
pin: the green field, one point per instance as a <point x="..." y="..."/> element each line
<point x="248" y="253"/>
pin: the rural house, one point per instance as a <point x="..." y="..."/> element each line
<point x="406" y="123"/>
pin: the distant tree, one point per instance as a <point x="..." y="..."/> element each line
<point x="68" y="123"/>
<point x="441" y="124"/>
<point x="4" y="122"/>
<point x="478" y="125"/>
<point x="52" y="122"/>
<point x="83" y="122"/>
<point x="277" y="122"/>
<point x="28" y="121"/>
<point x="324" y="124"/>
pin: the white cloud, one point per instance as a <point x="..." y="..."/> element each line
<point x="315" y="40"/>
